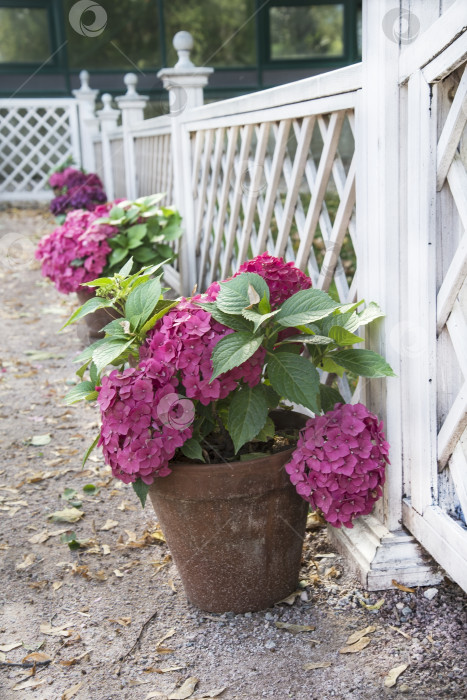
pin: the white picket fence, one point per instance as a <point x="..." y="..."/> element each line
<point x="360" y="177"/>
<point x="36" y="135"/>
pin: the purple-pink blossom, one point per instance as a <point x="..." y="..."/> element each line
<point x="339" y="463"/>
<point x="77" y="251"/>
<point x="75" y="189"/>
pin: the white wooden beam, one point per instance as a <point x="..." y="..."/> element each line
<point x="433" y="41"/>
<point x="452" y="131"/>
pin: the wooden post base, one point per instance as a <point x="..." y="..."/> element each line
<point x="379" y="556"/>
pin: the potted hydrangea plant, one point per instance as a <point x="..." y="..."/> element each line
<point x="199" y="421"/>
<point x="74" y="189"/>
<point x="94" y="243"/>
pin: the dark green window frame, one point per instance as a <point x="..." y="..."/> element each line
<point x="57" y="39"/>
<point x="350" y="53"/>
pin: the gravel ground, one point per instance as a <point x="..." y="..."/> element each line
<point x="112" y="615"/>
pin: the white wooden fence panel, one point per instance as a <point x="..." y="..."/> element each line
<point x="36" y="135"/>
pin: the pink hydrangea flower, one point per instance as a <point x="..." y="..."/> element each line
<point x="137" y="440"/>
<point x="77" y="251"/>
<point x="283" y="279"/>
<point x="339" y="463"/>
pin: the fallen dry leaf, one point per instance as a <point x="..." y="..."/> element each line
<point x="290" y="600"/>
<point x="40" y="440"/>
<point x="9" y="647"/>
<point x="294" y="629"/>
<point x="401" y="587"/>
<point x="185" y="690"/>
<point x="75" y="660"/>
<point x="118" y="573"/>
<point x="358" y="646"/>
<point x="39" y="538"/>
<point x="28" y="560"/>
<point x="167" y="635"/>
<point x="318" y="664"/>
<point x="46" y="628"/>
<point x="109" y="525"/>
<point x="376" y="606"/>
<point x="125" y="621"/>
<point x="28" y="685"/>
<point x="355" y="636"/>
<point x="68" y="515"/>
<point x="393" y="675"/>
<point x="404" y="634"/>
<point x="152" y="669"/>
<point x="105" y="549"/>
<point x="315" y="521"/>
<point x="71" y="691"/>
<point x="36" y="656"/>
<point x="211" y="694"/>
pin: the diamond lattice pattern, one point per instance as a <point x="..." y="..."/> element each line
<point x="287" y="187"/>
<point x="33" y="141"/>
<point x="452" y="294"/>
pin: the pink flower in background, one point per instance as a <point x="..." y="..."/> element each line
<point x="339" y="463"/>
<point x="77" y="251"/>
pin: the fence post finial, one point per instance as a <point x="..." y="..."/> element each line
<point x="183" y="43"/>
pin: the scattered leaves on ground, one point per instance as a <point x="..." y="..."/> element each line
<point x="355" y="636"/>
<point x="10" y="647"/>
<point x="28" y="560"/>
<point x="317" y="664"/>
<point x="61" y="631"/>
<point x="29" y="685"/>
<point x="401" y="587"/>
<point x="358" y="646"/>
<point x="109" y="525"/>
<point x="40" y="440"/>
<point x="185" y="690"/>
<point x="368" y="606"/>
<point x="393" y="675"/>
<point x="71" y="691"/>
<point x="68" y="515"/>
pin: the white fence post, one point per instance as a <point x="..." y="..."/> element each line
<point x="185" y="83"/>
<point x="132" y="107"/>
<point x="378" y="545"/>
<point x="88" y="122"/>
<point x="108" y="118"/>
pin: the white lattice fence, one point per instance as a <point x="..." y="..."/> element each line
<point x="118" y="167"/>
<point x="36" y="135"/>
<point x="153" y="160"/>
<point x="286" y="185"/>
<point x="452" y="294"/>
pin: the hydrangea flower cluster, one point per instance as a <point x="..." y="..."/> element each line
<point x="138" y="439"/>
<point x="339" y="463"/>
<point x="77" y="251"/>
<point x="137" y="436"/>
<point x="283" y="279"/>
<point x="75" y="190"/>
<point x="183" y="341"/>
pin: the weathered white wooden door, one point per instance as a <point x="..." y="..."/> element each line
<point x="434" y="74"/>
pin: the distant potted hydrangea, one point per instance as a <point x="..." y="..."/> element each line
<point x="75" y="189"/>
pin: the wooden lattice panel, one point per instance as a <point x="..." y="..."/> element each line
<point x="35" y="137"/>
<point x="452" y="292"/>
<point x="286" y="186"/>
<point x="118" y="167"/>
<point x="154" y="169"/>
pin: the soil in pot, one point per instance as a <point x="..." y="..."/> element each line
<point x="235" y="530"/>
<point x="93" y="323"/>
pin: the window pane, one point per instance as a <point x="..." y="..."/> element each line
<point x="24" y="35"/>
<point x="223" y="31"/>
<point x="123" y="36"/>
<point x="302" y="32"/>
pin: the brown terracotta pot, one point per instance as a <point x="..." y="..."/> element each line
<point x="98" y="319"/>
<point x="235" y="530"/>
